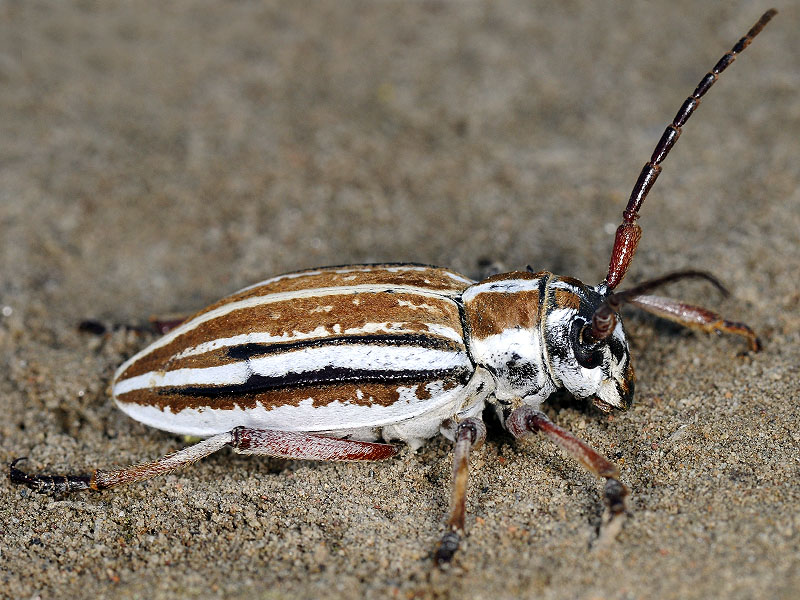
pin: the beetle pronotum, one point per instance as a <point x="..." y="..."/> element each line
<point x="321" y="364"/>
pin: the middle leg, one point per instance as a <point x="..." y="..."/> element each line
<point x="470" y="434"/>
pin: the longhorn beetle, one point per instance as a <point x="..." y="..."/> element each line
<point x="322" y="363"/>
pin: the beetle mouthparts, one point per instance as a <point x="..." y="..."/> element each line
<point x="602" y="404"/>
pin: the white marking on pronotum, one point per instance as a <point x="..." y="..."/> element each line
<point x="508" y="286"/>
<point x="350" y="356"/>
<point x="525" y="345"/>
<point x="564" y="285"/>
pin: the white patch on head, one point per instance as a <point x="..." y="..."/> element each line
<point x="558" y="284"/>
<point x="608" y="391"/>
<point x="581" y="382"/>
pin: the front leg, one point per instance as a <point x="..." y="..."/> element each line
<point x="470" y="434"/>
<point x="526" y="420"/>
<point x="695" y="317"/>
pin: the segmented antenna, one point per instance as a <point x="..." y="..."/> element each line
<point x="629" y="233"/>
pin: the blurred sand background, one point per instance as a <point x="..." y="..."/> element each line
<point x="155" y="157"/>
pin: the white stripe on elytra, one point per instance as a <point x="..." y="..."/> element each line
<point x="279" y="278"/>
<point x="459" y="278"/>
<point x="262" y="337"/>
<point x="341" y="417"/>
<point x="349" y="356"/>
<point x="230" y="307"/>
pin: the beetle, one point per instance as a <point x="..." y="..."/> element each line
<point x="335" y="363"/>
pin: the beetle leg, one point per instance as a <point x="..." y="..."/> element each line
<point x="243" y="440"/>
<point x="100" y="479"/>
<point x="306" y="446"/>
<point x="158" y="324"/>
<point x="469" y="435"/>
<point x="48" y="484"/>
<point x="526" y="420"/>
<point x="694" y="317"/>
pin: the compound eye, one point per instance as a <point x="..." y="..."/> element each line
<point x="587" y="354"/>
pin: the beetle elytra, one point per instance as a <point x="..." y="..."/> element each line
<point x="335" y="363"/>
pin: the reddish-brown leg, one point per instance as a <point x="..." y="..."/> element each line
<point x="526" y="420"/>
<point x="470" y="434"/>
<point x="695" y="317"/>
<point x="281" y="444"/>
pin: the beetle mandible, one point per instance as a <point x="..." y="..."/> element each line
<point x="322" y="364"/>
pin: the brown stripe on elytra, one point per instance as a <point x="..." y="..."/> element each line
<point x="490" y="313"/>
<point x="359" y="394"/>
<point x="348" y="311"/>
<point x="430" y="278"/>
<point x="567" y="299"/>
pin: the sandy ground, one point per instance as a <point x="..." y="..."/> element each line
<point x="154" y="159"/>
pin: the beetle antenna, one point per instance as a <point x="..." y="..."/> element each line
<point x="604" y="318"/>
<point x="629" y="233"/>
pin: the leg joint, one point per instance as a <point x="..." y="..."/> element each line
<point x="240" y="438"/>
<point x="524" y="420"/>
<point x="472" y="430"/>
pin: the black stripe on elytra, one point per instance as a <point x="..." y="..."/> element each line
<point x="420" y="340"/>
<point x="326" y="376"/>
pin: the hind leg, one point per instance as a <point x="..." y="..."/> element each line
<point x="243" y="440"/>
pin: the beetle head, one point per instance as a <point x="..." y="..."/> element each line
<point x="585" y="366"/>
<point x="529" y="331"/>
